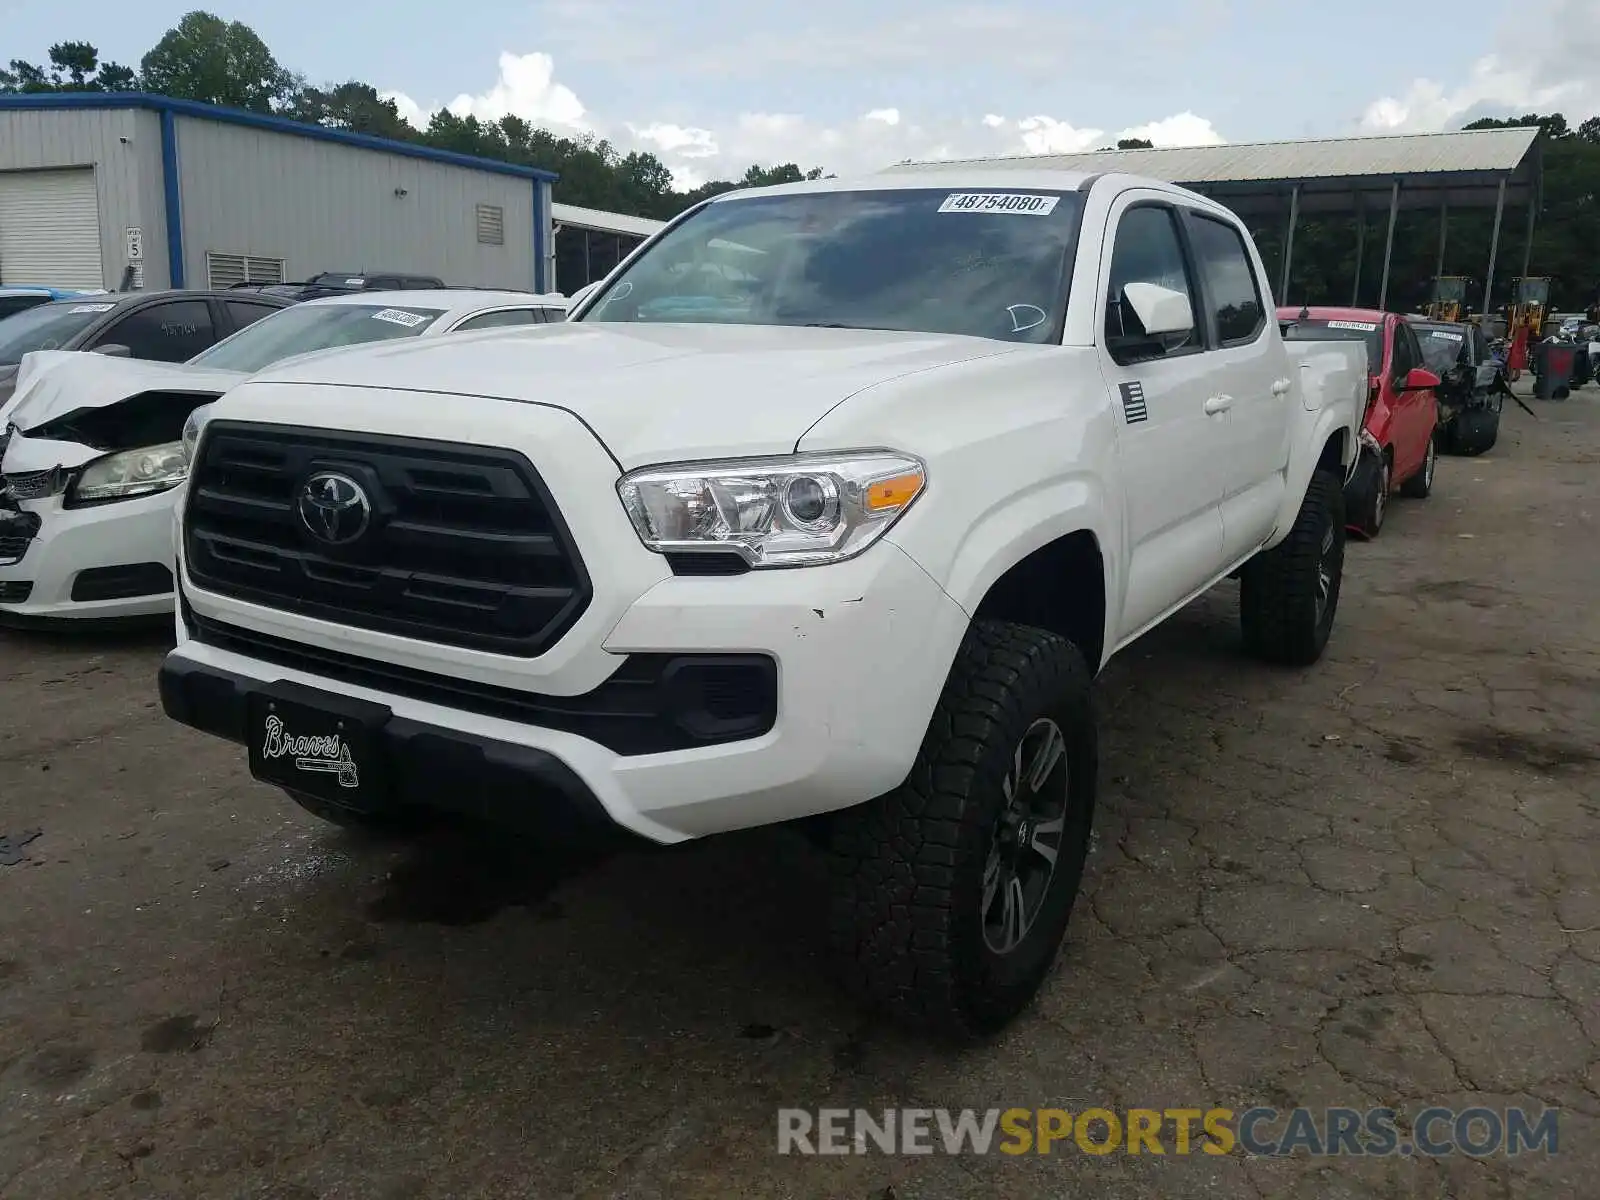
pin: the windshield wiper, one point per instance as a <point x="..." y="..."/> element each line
<point x="842" y="325"/>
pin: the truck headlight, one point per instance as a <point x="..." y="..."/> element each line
<point x="795" y="511"/>
<point x="129" y="473"/>
<point x="191" y="431"/>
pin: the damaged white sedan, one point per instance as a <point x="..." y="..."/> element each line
<point x="91" y="447"/>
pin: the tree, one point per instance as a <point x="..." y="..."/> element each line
<point x="1135" y="144"/>
<point x="214" y="61"/>
<point x="74" y="67"/>
<point x="354" y="106"/>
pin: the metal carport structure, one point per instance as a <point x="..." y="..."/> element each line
<point x="1341" y="177"/>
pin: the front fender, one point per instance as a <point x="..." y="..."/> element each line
<point x="1014" y="527"/>
<point x="1341" y="419"/>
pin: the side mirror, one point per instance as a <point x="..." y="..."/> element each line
<point x="1419" y="380"/>
<point x="113" y="350"/>
<point x="1162" y="311"/>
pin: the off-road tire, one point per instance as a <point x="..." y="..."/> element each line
<point x="392" y="823"/>
<point x="908" y="869"/>
<point x="1279" y="588"/>
<point x="1420" y="485"/>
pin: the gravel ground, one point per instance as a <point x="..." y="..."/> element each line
<point x="1375" y="882"/>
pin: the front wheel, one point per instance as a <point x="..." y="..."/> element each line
<point x="951" y="894"/>
<point x="1477" y="430"/>
<point x="1288" y="595"/>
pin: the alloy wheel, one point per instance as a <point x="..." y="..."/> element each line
<point x="1027" y="837"/>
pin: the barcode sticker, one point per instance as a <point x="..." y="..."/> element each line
<point x="1363" y="326"/>
<point x="397" y="316"/>
<point x="1012" y="203"/>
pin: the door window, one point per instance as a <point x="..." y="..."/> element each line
<point x="1232" y="291"/>
<point x="245" y="313"/>
<point x="1147" y="250"/>
<point x="1406" y="354"/>
<point x="171" y="332"/>
<point x="495" y="320"/>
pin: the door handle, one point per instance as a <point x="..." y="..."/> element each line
<point x="1218" y="404"/>
<point x="1280" y="387"/>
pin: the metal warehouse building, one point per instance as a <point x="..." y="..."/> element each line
<point x="193" y="195"/>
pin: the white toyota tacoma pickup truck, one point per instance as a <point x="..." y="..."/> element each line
<point x="825" y="508"/>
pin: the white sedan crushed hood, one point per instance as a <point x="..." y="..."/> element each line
<point x="52" y="383"/>
<point x="651" y="393"/>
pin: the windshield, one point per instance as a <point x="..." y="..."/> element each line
<point x="309" y="327"/>
<point x="1310" y="329"/>
<point x="1442" y="346"/>
<point x="45" y="327"/>
<point x="984" y="264"/>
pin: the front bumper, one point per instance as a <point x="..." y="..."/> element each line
<point x="1359" y="490"/>
<point x="105" y="561"/>
<point x="860" y="649"/>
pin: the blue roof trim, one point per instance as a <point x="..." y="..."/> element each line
<point x="250" y="120"/>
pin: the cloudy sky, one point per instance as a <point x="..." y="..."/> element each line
<point x="714" y="86"/>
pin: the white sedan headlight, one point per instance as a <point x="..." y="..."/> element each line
<point x="796" y="511"/>
<point x="130" y="473"/>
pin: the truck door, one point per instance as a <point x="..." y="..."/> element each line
<point x="1168" y="443"/>
<point x="1248" y="366"/>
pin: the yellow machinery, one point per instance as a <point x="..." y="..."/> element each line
<point x="1449" y="299"/>
<point x="1525" y="319"/>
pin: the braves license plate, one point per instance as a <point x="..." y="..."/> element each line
<point x="327" y="746"/>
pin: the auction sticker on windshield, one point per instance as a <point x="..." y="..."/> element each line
<point x="92" y="308"/>
<point x="396" y="316"/>
<point x="1363" y="326"/>
<point x="1000" y="202"/>
<point x="1446" y="335"/>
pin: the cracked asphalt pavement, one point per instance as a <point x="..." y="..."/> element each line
<point x="1376" y="882"/>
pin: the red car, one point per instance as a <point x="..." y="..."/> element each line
<point x="1398" y="437"/>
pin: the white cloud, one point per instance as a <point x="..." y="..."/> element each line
<point x="697" y="150"/>
<point x="1552" y="70"/>
<point x="1184" y="129"/>
<point x="526" y="88"/>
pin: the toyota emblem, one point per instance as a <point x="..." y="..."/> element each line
<point x="334" y="508"/>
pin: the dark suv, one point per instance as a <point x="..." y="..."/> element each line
<point x="342" y="283"/>
<point x="166" y="326"/>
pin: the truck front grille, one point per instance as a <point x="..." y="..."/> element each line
<point x="459" y="545"/>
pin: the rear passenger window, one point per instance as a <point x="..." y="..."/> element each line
<point x="493" y="320"/>
<point x="1232" y="291"/>
<point x="174" y="331"/>
<point x="1147" y="250"/>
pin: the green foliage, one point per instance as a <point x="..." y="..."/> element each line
<point x="73" y="67"/>
<point x="214" y="61"/>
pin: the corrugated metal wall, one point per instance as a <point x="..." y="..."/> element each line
<point x="321" y="206"/>
<point x="127" y="174"/>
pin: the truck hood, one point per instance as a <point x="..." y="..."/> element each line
<point x="53" y="383"/>
<point x="652" y="393"/>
